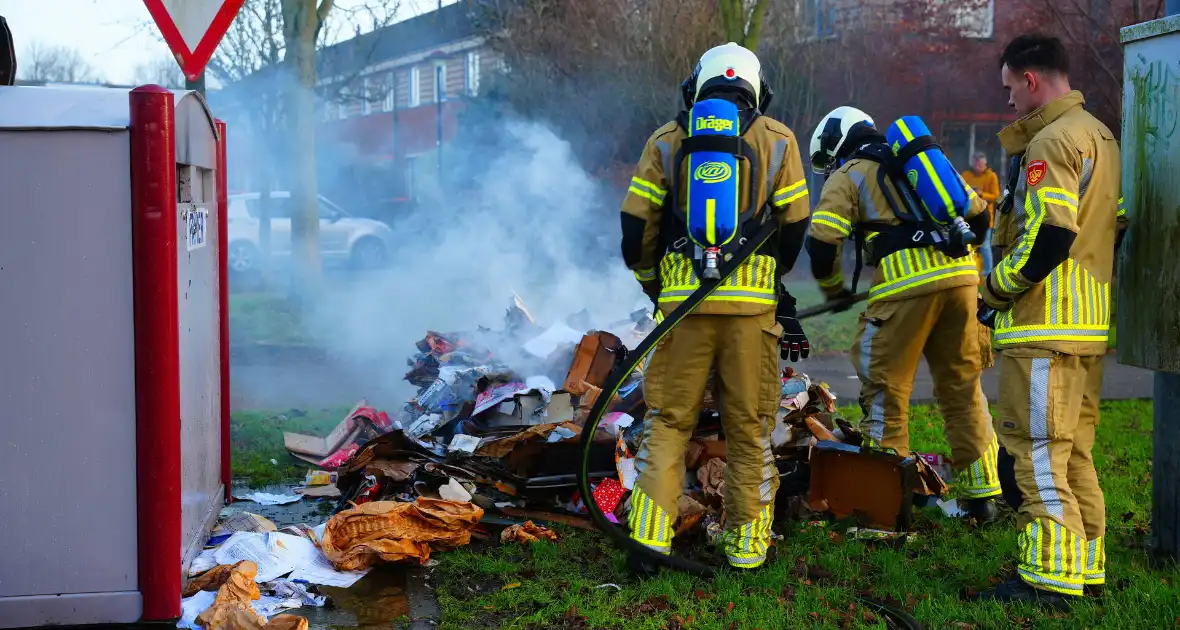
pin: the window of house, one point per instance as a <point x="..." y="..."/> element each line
<point x="823" y="14"/>
<point x="342" y="104"/>
<point x="440" y="82"/>
<point x="390" y="93"/>
<point x="473" y="73"/>
<point x="976" y="20"/>
<point x="366" y="106"/>
<point x="415" y="86"/>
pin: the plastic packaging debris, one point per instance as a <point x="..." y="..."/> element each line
<point x="320" y="478"/>
<point x="386" y="531"/>
<point x="607" y="495"/>
<point x="265" y="498"/>
<point x="454" y="491"/>
<point x="464" y="443"/>
<point x="529" y="532"/>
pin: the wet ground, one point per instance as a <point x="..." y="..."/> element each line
<point x="390" y="596"/>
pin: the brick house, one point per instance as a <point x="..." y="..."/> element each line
<point x="381" y="115"/>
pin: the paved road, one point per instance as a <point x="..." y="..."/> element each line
<point x="291" y="382"/>
<point x="1120" y="381"/>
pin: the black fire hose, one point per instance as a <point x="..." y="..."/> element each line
<point x="623" y="370"/>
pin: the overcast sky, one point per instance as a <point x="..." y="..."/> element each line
<point x="115" y="36"/>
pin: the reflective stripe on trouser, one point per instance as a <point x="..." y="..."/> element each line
<point x="745" y="547"/>
<point x="745" y="350"/>
<point x="892" y="338"/>
<point x="650" y="525"/>
<point x="1046" y="418"/>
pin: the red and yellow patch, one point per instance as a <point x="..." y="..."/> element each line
<point x="1035" y="172"/>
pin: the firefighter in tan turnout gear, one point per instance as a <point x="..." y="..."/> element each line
<point x="1048" y="301"/>
<point x="922" y="301"/>
<point x="740" y="330"/>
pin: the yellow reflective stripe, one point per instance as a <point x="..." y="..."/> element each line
<point x="646" y="195"/>
<point x="981" y="479"/>
<point x="834" y="281"/>
<point x="1007" y="335"/>
<point x="942" y="191"/>
<point x="792" y="189"/>
<point x="1122" y="208"/>
<point x="924" y="266"/>
<point x="1060" y="197"/>
<point x="643" y="183"/>
<point x="832" y="220"/>
<point x="1052" y="557"/>
<point x="645" y="275"/>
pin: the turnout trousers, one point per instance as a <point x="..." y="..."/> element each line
<point x="745" y="351"/>
<point x="1047" y="416"/>
<point x="892" y="338"/>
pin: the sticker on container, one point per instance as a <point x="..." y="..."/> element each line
<point x="196" y="227"/>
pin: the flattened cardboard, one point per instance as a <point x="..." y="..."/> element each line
<point x="876" y="488"/>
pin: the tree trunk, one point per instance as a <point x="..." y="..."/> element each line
<point x="301" y="25"/>
<point x="739" y="25"/>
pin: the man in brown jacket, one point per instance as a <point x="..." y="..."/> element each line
<point x="741" y="328"/>
<point x="1048" y="301"/>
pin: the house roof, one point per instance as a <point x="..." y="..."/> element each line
<point x="453" y="22"/>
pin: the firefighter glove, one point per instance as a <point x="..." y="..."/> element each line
<point x="986" y="314"/>
<point x="841" y="301"/>
<point x="652" y="289"/>
<point x="794" y="341"/>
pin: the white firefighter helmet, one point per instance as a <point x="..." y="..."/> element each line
<point x="728" y="67"/>
<point x="833" y="131"/>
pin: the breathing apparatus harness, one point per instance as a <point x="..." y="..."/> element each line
<point x="917" y="227"/>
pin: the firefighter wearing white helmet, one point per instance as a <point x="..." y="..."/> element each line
<point x="922" y="303"/>
<point x="741" y="329"/>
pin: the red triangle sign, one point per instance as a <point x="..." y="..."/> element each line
<point x="193" y="29"/>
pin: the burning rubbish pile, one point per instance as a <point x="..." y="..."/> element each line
<point x="500" y="429"/>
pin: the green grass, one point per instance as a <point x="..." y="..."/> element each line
<point x="265" y="318"/>
<point x="560" y="584"/>
<point x="830" y="333"/>
<point x="257" y="438"/>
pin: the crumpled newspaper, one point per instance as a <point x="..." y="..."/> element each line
<point x="215" y="578"/>
<point x="712" y="477"/>
<point x="529" y="532"/>
<point x="391" y="531"/>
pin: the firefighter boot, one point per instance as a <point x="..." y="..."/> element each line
<point x="1017" y="590"/>
<point x="984" y="511"/>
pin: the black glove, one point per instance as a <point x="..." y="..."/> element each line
<point x="794" y="342"/>
<point x="651" y="289"/>
<point x="986" y="314"/>
<point x="842" y="301"/>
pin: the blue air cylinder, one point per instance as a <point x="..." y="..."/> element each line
<point x="712" y="206"/>
<point x="935" y="180"/>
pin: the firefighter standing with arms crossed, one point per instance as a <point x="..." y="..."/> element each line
<point x="1048" y="301"/>
<point x="740" y="330"/>
<point x="922" y="301"/>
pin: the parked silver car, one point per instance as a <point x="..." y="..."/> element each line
<point x="361" y="243"/>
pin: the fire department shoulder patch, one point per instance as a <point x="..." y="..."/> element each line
<point x="1035" y="172"/>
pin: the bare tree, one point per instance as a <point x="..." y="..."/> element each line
<point x="61" y="64"/>
<point x="605" y="74"/>
<point x="161" y="71"/>
<point x="270" y="53"/>
<point x="742" y="21"/>
<point x="1090" y="29"/>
